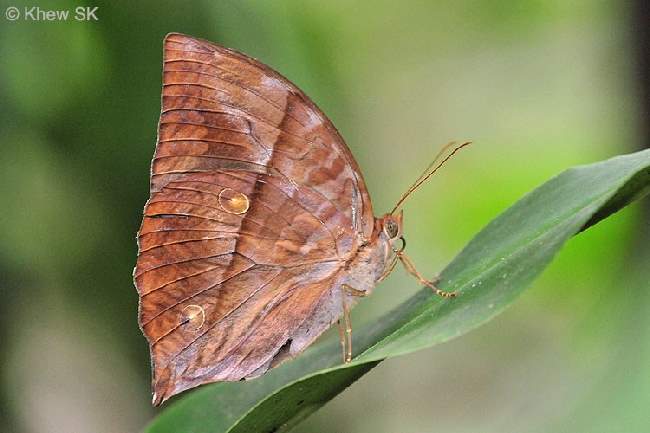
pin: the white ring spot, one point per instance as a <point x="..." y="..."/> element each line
<point x="192" y="313"/>
<point x="233" y="202"/>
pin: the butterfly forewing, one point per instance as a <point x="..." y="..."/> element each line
<point x="256" y="205"/>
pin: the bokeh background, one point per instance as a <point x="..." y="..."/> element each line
<point x="539" y="85"/>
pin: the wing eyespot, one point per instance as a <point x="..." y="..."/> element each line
<point x="233" y="202"/>
<point x="194" y="315"/>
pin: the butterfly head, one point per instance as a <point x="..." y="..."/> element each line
<point x="391" y="228"/>
<point x="389" y="242"/>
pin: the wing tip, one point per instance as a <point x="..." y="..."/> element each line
<point x="175" y="35"/>
<point x="184" y="39"/>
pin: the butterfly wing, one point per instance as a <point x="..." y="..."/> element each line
<point x="256" y="204"/>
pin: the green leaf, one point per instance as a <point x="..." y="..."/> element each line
<point x="490" y="272"/>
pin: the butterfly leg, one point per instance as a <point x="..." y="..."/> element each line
<point x="345" y="331"/>
<point x="410" y="268"/>
<point x="343" y="339"/>
<point x="388" y="270"/>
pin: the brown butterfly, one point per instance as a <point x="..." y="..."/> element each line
<point x="259" y="232"/>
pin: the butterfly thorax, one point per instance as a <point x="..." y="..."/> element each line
<point x="368" y="265"/>
<point x="374" y="258"/>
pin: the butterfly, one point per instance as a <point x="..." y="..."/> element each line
<point x="259" y="233"/>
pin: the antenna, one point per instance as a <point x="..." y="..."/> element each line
<point x="429" y="171"/>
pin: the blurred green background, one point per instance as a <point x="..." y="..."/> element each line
<point x="538" y="85"/>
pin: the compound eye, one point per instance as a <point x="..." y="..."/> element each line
<point x="391" y="229"/>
